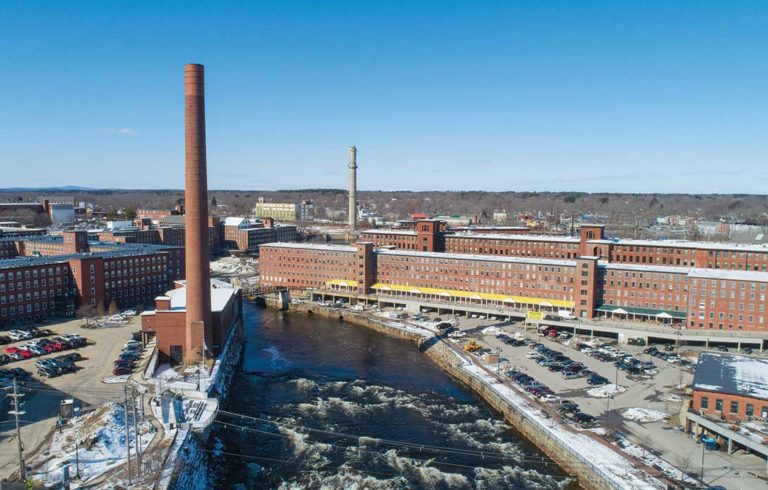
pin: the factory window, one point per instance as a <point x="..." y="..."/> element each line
<point x="734" y="407"/>
<point x="719" y="405"/>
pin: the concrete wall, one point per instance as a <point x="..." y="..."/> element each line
<point x="587" y="474"/>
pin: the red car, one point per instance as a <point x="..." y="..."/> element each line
<point x="58" y="346"/>
<point x="48" y="348"/>
<point x="119" y="371"/>
<point x="26" y="354"/>
<point x="12" y="350"/>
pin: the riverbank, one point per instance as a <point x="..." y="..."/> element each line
<point x="571" y="449"/>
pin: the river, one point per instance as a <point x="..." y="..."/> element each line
<point x="333" y="405"/>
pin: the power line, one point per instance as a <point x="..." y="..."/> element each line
<point x="413" y="447"/>
<point x="345" y="466"/>
<point x="404" y="444"/>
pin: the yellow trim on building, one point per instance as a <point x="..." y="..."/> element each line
<point x="473" y="295"/>
<point x="341" y="282"/>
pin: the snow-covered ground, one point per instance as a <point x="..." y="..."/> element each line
<point x="643" y="415"/>
<point x="656" y="462"/>
<point x="491" y="331"/>
<point x="622" y="471"/>
<point x="232" y="266"/>
<point x="606" y="391"/>
<point x="102" y="446"/>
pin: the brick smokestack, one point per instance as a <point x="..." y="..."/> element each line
<point x="198" y="320"/>
<point x="352" y="188"/>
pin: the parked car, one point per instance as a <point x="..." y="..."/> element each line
<point x="74" y="356"/>
<point x="567" y="406"/>
<point x="36" y="350"/>
<point x="549" y="398"/>
<point x="571" y="375"/>
<point x="47" y="372"/>
<point x="120" y="370"/>
<point x="17" y="335"/>
<point x="596" y="379"/>
<point x="722" y="348"/>
<point x="4" y="339"/>
<point x="746" y="350"/>
<point x="4" y="359"/>
<point x="583" y="419"/>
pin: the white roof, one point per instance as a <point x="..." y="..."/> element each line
<point x="647" y="267"/>
<point x="529" y="238"/>
<point x="312" y="246"/>
<point x="486" y="258"/>
<point x="233" y="221"/>
<point x="220" y="296"/>
<point x="758" y="276"/>
<point x="733" y="247"/>
<point x="389" y="232"/>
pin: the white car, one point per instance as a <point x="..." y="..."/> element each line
<point x="549" y="398"/>
<point x="457" y="335"/>
<point x="35" y="350"/>
<point x="129" y="313"/>
<point x="532" y="354"/>
<point x="19" y="335"/>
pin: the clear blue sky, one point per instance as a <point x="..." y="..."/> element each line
<point x="593" y="96"/>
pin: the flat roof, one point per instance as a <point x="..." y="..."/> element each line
<point x="732" y="374"/>
<point x="221" y="293"/>
<point x="528" y="238"/>
<point x="484" y="258"/>
<point x="389" y="232"/>
<point x="646" y="267"/>
<point x="730" y="274"/>
<point x="311" y="246"/>
<point x="33" y="261"/>
<point x="731" y="247"/>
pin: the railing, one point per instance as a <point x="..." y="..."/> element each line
<point x="607" y="477"/>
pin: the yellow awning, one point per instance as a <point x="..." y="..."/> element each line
<point x="341" y="282"/>
<point x="473" y="295"/>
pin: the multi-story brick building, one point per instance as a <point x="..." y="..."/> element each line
<point x="246" y="235"/>
<point x="53" y="276"/>
<point x="591" y="241"/>
<point x="302" y="211"/>
<point x="585" y="286"/>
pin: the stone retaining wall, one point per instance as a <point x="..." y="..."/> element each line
<point x="587" y="474"/>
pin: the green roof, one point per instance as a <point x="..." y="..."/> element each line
<point x="634" y="310"/>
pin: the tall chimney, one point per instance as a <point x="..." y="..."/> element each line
<point x="198" y="320"/>
<point x="352" y="188"/>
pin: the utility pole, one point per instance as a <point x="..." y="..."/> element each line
<point x="16" y="412"/>
<point x="127" y="434"/>
<point x="77" y="451"/>
<point x="136" y="433"/>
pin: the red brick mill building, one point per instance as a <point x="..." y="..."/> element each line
<point x="694" y="284"/>
<point x="54" y="276"/>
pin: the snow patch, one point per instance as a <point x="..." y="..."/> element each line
<point x="606" y="391"/>
<point x="644" y="415"/>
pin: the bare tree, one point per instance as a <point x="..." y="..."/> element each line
<point x="86" y="312"/>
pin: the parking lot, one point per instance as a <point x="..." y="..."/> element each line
<point x="644" y="418"/>
<point x="43" y="394"/>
